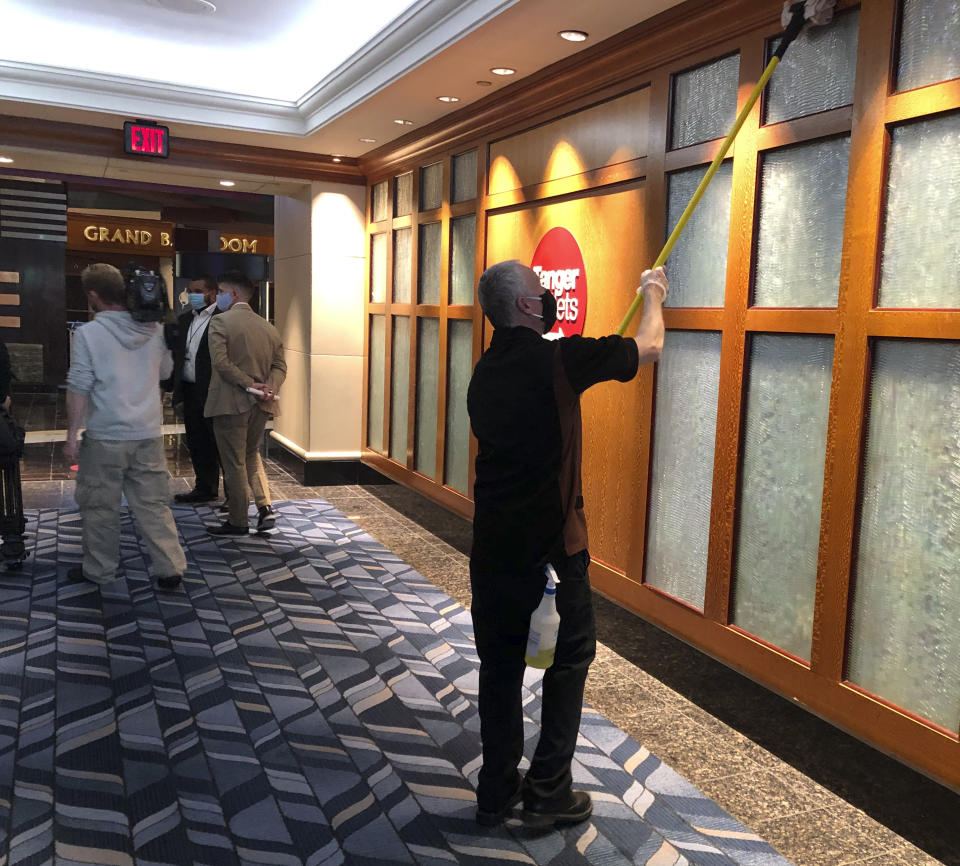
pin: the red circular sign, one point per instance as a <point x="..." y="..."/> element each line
<point x="558" y="263"/>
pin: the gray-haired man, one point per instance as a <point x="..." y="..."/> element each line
<point x="524" y="404"/>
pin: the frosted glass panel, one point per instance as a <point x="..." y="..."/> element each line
<point x="459" y="369"/>
<point x="785" y="441"/>
<point x="465" y="176"/>
<point x="688" y="379"/>
<point x="375" y="390"/>
<point x="705" y="102"/>
<point x="401" y="265"/>
<point x="378" y="268"/>
<point x="431" y="186"/>
<point x="698" y="263"/>
<point x="428" y="274"/>
<point x="929" y="43"/>
<point x="400" y="389"/>
<point x="463" y="239"/>
<point x="817" y="73"/>
<point x="381" y="201"/>
<point x="921" y="245"/>
<point x="404" y="185"/>
<point x="905" y="627"/>
<point x="428" y="364"/>
<point x="802" y="197"/>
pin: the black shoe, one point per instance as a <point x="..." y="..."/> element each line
<point x="194" y="496"/>
<point x="224" y="509"/>
<point x="266" y="519"/>
<point x="77" y="576"/>
<point x="170" y="582"/>
<point x="227" y="528"/>
<point x="492" y="819"/>
<point x="578" y="807"/>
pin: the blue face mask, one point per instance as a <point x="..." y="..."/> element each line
<point x="196" y="300"/>
<point x="224" y="301"/>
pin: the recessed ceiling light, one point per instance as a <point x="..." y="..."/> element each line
<point x="448" y="98"/>
<point x="573" y="35"/>
<point x="227" y="183"/>
<point x="503" y="70"/>
<point x="190" y="7"/>
<point x="484" y="84"/>
<point x="5" y="159"/>
<point x="404" y="122"/>
<point x="368" y="140"/>
<point x="337" y="158"/>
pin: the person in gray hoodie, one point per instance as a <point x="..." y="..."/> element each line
<point x="114" y="383"/>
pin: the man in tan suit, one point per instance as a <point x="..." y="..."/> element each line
<point x="246" y="355"/>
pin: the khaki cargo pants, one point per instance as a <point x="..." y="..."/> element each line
<point x="137" y="469"/>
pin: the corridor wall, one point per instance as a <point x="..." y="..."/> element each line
<point x="782" y="490"/>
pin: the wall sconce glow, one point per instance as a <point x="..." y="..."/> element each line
<point x="227" y="183"/>
<point x="574" y="35"/>
<point x="503" y="70"/>
<point x="448" y="98"/>
<point x="404" y="122"/>
<point x="5" y="159"/>
<point x="368" y="140"/>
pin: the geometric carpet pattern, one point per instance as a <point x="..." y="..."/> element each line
<point x="302" y="699"/>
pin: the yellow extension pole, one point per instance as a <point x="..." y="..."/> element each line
<point x="695" y="200"/>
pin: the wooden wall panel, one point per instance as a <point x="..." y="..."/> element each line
<point x="608" y="134"/>
<point x="617" y="213"/>
<point x="614" y="426"/>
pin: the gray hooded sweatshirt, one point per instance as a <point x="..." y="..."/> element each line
<point x="118" y="364"/>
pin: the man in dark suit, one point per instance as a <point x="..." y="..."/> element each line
<point x="191" y="381"/>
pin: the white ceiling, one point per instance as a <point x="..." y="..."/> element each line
<point x="275" y="50"/>
<point x="308" y="75"/>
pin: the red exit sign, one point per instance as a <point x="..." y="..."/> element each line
<point x="145" y="139"/>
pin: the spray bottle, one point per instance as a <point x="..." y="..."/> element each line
<point x="544" y="625"/>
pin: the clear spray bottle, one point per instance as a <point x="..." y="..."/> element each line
<point x="544" y="625"/>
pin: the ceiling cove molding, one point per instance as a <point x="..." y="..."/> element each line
<point x="424" y="30"/>
<point x="618" y="64"/>
<point x="143" y="98"/>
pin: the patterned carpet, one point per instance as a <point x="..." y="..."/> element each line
<point x="305" y="698"/>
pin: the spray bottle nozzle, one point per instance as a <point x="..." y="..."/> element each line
<point x="552" y="578"/>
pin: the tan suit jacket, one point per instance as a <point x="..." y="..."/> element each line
<point x="244" y="349"/>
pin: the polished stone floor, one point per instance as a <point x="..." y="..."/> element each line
<point x="820" y="797"/>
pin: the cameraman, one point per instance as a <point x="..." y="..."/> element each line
<point x="114" y="381"/>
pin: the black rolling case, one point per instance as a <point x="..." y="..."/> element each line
<point x="12" y="523"/>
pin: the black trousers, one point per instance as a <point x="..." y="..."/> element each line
<point x="501" y="611"/>
<point x="201" y="442"/>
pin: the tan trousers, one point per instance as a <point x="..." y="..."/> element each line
<point x="110" y="469"/>
<point x="239" y="438"/>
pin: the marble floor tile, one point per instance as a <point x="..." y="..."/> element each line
<point x="911" y="855"/>
<point x="695" y="753"/>
<point x="818" y="838"/>
<point x="755" y="796"/>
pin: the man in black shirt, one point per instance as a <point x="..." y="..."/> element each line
<point x="524" y="404"/>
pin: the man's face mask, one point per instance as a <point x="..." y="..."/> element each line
<point x="224" y="301"/>
<point x="195" y="299"/>
<point x="549" y="309"/>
